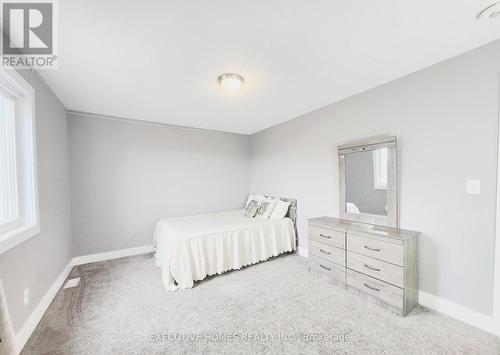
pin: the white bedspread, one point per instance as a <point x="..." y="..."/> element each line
<point x="190" y="248"/>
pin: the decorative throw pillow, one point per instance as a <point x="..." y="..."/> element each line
<point x="252" y="208"/>
<point x="280" y="210"/>
<point x="256" y="197"/>
<point x="266" y="208"/>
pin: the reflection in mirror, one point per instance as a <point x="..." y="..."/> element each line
<point x="366" y="182"/>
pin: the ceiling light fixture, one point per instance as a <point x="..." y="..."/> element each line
<point x="230" y="82"/>
<point x="491" y="11"/>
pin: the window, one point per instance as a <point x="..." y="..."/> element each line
<point x="9" y="209"/>
<point x="18" y="191"/>
<point x="380" y="157"/>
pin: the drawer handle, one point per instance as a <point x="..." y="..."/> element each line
<point x="325" y="252"/>
<point x="371" y="268"/>
<point x="372" y="288"/>
<point x="325" y="267"/>
<point x="372" y="249"/>
<point x="325" y="236"/>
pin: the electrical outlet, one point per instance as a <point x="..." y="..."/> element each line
<point x="26" y="296"/>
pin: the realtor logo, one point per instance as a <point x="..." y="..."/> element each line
<point x="28" y="34"/>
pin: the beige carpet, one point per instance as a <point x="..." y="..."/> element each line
<point x="121" y="307"/>
<point x="7" y="342"/>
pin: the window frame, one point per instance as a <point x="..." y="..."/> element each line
<point x="28" y="223"/>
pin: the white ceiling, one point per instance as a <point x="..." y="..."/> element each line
<point x="158" y="60"/>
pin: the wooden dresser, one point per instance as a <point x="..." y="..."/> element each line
<point x="379" y="263"/>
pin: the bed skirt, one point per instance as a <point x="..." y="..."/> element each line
<point x="195" y="258"/>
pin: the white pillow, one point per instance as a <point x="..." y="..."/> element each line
<point x="266" y="208"/>
<point x="280" y="209"/>
<point x="256" y="197"/>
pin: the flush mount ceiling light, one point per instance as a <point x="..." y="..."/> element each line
<point x="491" y="11"/>
<point x="230" y="82"/>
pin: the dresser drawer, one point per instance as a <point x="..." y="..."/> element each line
<point x="327" y="252"/>
<point x="332" y="270"/>
<point x="381" y="270"/>
<point x="376" y="248"/>
<point x="327" y="236"/>
<point x="383" y="291"/>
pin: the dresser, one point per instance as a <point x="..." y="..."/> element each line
<point x="378" y="263"/>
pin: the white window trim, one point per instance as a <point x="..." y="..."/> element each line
<point x="12" y="238"/>
<point x="496" y="270"/>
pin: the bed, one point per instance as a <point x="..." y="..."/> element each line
<point x="188" y="249"/>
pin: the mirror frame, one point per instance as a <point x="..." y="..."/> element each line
<point x="368" y="144"/>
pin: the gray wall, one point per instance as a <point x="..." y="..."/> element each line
<point x="446" y="120"/>
<point x="125" y="176"/>
<point x="37" y="262"/>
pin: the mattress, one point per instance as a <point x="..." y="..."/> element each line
<point x="190" y="248"/>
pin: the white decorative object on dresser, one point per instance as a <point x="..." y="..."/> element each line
<point x="365" y="250"/>
<point x="380" y="263"/>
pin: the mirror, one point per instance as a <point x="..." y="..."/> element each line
<point x="368" y="181"/>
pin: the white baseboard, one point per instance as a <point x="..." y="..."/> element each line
<point x="30" y="324"/>
<point x="92" y="258"/>
<point x="303" y="252"/>
<point x="461" y="313"/>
